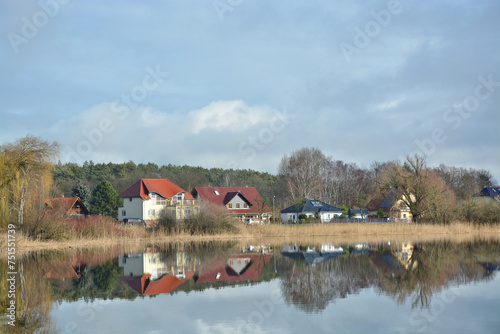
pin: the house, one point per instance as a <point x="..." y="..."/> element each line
<point x="487" y="195"/>
<point x="391" y="203"/>
<point x="146" y="198"/>
<point x="70" y="206"/>
<point x="236" y="268"/>
<point x="241" y="202"/>
<point x="358" y="213"/>
<point x="311" y="208"/>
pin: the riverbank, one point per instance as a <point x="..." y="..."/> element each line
<point x="333" y="233"/>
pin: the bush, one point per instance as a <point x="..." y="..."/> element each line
<point x="167" y="221"/>
<point x="210" y="220"/>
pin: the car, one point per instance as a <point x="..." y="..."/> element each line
<point x="134" y="221"/>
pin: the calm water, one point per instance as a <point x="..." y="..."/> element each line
<point x="391" y="287"/>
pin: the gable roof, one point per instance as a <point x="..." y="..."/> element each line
<point x="311" y="206"/>
<point x="222" y="195"/>
<point x="146" y="287"/>
<point x="163" y="187"/>
<point x="65" y="204"/>
<point x="490" y="192"/>
<point x="385" y="200"/>
<point x="359" y="211"/>
<point x="224" y="273"/>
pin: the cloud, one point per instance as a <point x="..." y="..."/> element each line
<point x="232" y="116"/>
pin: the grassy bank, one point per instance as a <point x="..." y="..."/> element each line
<point x="113" y="234"/>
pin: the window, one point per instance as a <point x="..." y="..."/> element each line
<point x="179" y="198"/>
<point x="152" y="195"/>
<point x="130" y="199"/>
<point x="160" y="200"/>
<point x="315" y="203"/>
<point x="245" y="205"/>
<point x="237" y="205"/>
<point x="230" y="206"/>
<point x="151" y="212"/>
<point x="124" y="213"/>
<point x="216" y="192"/>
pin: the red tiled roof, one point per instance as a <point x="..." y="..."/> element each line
<point x="162" y="187"/>
<point x="65" y="204"/>
<point x="226" y="194"/>
<point x="227" y="274"/>
<point x="144" y="286"/>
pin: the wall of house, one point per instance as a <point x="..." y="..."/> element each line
<point x="132" y="266"/>
<point x="237" y="200"/>
<point x="133" y="209"/>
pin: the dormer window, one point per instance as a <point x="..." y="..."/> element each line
<point x="152" y="195"/>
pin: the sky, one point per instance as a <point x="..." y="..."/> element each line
<point x="239" y="83"/>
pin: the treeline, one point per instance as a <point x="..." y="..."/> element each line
<point x="29" y="176"/>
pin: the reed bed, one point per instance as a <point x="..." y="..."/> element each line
<point x="118" y="234"/>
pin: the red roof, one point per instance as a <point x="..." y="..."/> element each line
<point x="226" y="194"/>
<point x="146" y="287"/>
<point x="65" y="204"/>
<point x="162" y="187"/>
<point x="227" y="274"/>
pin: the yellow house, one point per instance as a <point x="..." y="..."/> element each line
<point x="487" y="196"/>
<point x="392" y="204"/>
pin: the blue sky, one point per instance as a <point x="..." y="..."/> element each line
<point x="240" y="83"/>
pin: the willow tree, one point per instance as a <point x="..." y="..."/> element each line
<point x="25" y="177"/>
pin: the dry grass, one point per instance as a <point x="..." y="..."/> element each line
<point x="270" y="234"/>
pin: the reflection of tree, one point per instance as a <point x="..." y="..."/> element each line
<point x="32" y="296"/>
<point x="433" y="267"/>
<point x="312" y="288"/>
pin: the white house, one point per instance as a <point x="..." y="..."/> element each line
<point x="146" y="198"/>
<point x="311" y="208"/>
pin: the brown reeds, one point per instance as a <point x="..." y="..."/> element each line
<point x="112" y="233"/>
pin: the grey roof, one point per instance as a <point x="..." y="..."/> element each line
<point x="311" y="206"/>
<point x="490" y="192"/>
<point x="359" y="211"/>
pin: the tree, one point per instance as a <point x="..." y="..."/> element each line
<point x="25" y="177"/>
<point x="425" y="194"/>
<point x="105" y="200"/>
<point x="83" y="191"/>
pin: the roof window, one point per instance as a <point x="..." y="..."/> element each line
<point x="216" y="192"/>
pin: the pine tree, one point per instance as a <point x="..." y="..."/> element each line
<point x="105" y="200"/>
<point x="83" y="191"/>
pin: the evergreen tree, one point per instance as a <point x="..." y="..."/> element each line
<point x="105" y="200"/>
<point x="83" y="191"/>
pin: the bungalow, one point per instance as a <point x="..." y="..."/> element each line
<point x="146" y="198"/>
<point x="240" y="202"/>
<point x="311" y="208"/>
<point x="70" y="206"/>
<point x="487" y="195"/>
<point x="358" y="213"/>
<point x="391" y="203"/>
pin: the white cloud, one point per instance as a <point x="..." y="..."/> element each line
<point x="230" y="116"/>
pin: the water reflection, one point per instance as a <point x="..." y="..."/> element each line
<point x="310" y="277"/>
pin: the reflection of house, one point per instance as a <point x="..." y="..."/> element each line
<point x="146" y="198"/>
<point x="487" y="195"/>
<point x="241" y="202"/>
<point x="404" y="253"/>
<point x="149" y="274"/>
<point x="241" y="267"/>
<point x="310" y="255"/>
<point x="71" y="206"/>
<point x="392" y="205"/>
<point x="310" y="208"/>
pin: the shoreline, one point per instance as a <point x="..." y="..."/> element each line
<point x="333" y="233"/>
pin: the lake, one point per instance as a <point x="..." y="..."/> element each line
<point x="227" y="287"/>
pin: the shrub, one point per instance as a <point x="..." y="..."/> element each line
<point x="210" y="220"/>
